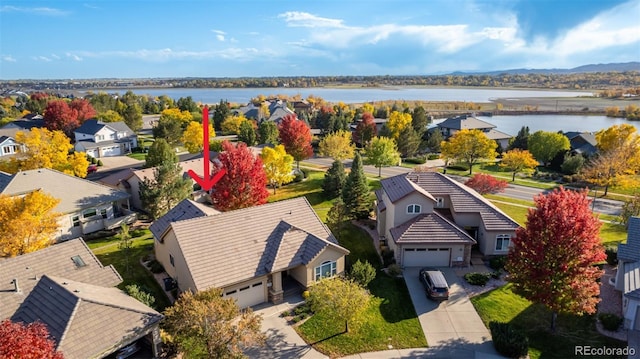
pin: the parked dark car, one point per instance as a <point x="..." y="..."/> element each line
<point x="434" y="283"/>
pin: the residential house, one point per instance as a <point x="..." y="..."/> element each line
<point x="583" y="143"/>
<point x="9" y="147"/>
<point x="65" y="287"/>
<point x="628" y="275"/>
<point x="429" y="219"/>
<point x="85" y="206"/>
<point x="277" y="111"/>
<point x="452" y="125"/>
<point x="99" y="139"/>
<point x="251" y="253"/>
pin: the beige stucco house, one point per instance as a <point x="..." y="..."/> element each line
<point x="249" y="252"/>
<point x="429" y="219"/>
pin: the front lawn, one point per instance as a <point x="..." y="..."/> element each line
<point x="503" y="305"/>
<point x="107" y="251"/>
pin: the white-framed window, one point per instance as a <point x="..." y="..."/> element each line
<point x="89" y="213"/>
<point x="502" y="242"/>
<point x="325" y="270"/>
<point x="414" y="208"/>
<point x="75" y="221"/>
<point x="439" y="202"/>
<point x="99" y="137"/>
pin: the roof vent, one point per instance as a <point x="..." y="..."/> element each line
<point x="76" y="291"/>
<point x="15" y="285"/>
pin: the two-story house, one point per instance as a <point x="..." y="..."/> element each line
<point x="8" y="145"/>
<point x="99" y="139"/>
<point x="452" y="125"/>
<point x="429" y="219"/>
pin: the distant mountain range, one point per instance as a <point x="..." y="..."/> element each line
<point x="613" y="67"/>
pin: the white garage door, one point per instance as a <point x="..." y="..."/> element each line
<point x="426" y="257"/>
<point x="111" y="151"/>
<point x="92" y="153"/>
<point x="248" y="295"/>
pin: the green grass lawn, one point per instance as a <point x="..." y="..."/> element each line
<point x="138" y="156"/>
<point x="503" y="305"/>
<point x="107" y="251"/>
<point x="389" y="320"/>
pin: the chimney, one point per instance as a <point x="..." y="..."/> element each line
<point x="17" y="287"/>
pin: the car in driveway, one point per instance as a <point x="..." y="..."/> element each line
<point x="92" y="168"/>
<point x="434" y="283"/>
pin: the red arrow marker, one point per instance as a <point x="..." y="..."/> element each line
<point x="207" y="181"/>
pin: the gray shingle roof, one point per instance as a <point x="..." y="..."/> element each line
<point x="186" y="209"/>
<point x="74" y="193"/>
<point x="464" y="123"/>
<point x="497" y="135"/>
<point x="85" y="320"/>
<point x="430" y="228"/>
<point x="53" y="261"/>
<point x="90" y="127"/>
<point x="463" y="199"/>
<point x="630" y="252"/>
<point x="265" y="238"/>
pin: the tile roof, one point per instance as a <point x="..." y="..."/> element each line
<point x="85" y="320"/>
<point x="74" y="193"/>
<point x="630" y="251"/>
<point x="114" y="179"/>
<point x="398" y="187"/>
<point x="463" y="122"/>
<point x="186" y="209"/>
<point x="55" y="260"/>
<point x="497" y="135"/>
<point x="264" y="238"/>
<point x="430" y="228"/>
<point x="463" y="199"/>
<point x="196" y="165"/>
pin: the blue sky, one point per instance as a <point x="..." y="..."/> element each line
<point x="155" y="38"/>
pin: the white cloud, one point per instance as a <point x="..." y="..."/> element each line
<point x="34" y="10"/>
<point x="168" y="54"/>
<point x="55" y="56"/>
<point x="219" y="34"/>
<point x="8" y="58"/>
<point x="41" y="58"/>
<point x="304" y="19"/>
<point x="220" y="37"/>
<point x="73" y="56"/>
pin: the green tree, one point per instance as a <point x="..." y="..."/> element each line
<point x="630" y="208"/>
<point x="169" y="127"/>
<point x="419" y="120"/>
<point x="339" y="299"/>
<point x="434" y="140"/>
<point x="268" y="132"/>
<point x="521" y="139"/>
<point x="124" y="244"/>
<point x="132" y="116"/>
<point x="469" y="147"/>
<point x="408" y="142"/>
<point x="337" y="145"/>
<point x="247" y="133"/>
<point x="381" y="151"/>
<point x="355" y="194"/>
<point x="110" y="116"/>
<point x="133" y="290"/>
<point x="572" y="164"/>
<point x="334" y="180"/>
<point x="544" y="145"/>
<point x="187" y="104"/>
<point x="221" y="112"/>
<point x="207" y="325"/>
<point x="159" y="153"/>
<point x="517" y="160"/>
<point x="362" y="273"/>
<point x="337" y="217"/>
<point x="165" y="190"/>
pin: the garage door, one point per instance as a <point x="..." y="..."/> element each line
<point x="248" y="295"/>
<point x="426" y="257"/>
<point x="111" y="151"/>
<point x="92" y="153"/>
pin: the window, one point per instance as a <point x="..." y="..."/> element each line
<point x="76" y="221"/>
<point x="413" y="208"/>
<point x="77" y="260"/>
<point x="502" y="242"/>
<point x="326" y="269"/>
<point x="439" y="202"/>
<point x="99" y="137"/>
<point x="103" y="213"/>
<point x="89" y="213"/>
<point x="171" y="260"/>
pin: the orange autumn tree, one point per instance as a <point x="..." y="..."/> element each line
<point x="26" y="341"/>
<point x="27" y="223"/>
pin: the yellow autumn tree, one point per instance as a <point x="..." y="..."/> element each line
<point x="27" y="223"/>
<point x="278" y="165"/>
<point x="47" y="149"/>
<point x="337" y="145"/>
<point x="367" y="107"/>
<point x="397" y="122"/>
<point x="192" y="137"/>
<point x="469" y="147"/>
<point x="232" y="123"/>
<point x="174" y="114"/>
<point x="518" y="160"/>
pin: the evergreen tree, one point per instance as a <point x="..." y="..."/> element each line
<point x="334" y="180"/>
<point x="247" y="133"/>
<point x="356" y="194"/>
<point x="220" y="114"/>
<point x="337" y="217"/>
<point x="165" y="190"/>
<point x="419" y="120"/>
<point x="434" y="140"/>
<point x="408" y="142"/>
<point x="268" y="133"/>
<point x="521" y="139"/>
<point x="160" y="152"/>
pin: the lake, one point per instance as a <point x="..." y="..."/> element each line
<point x="512" y="124"/>
<point x="358" y="95"/>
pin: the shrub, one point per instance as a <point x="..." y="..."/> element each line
<point x="433" y="156"/>
<point x="508" y="341"/>
<point x="497" y="263"/>
<point x="215" y="146"/>
<point x="477" y="278"/>
<point x="610" y="321"/>
<point x="99" y="163"/>
<point x="362" y="273"/>
<point x="484" y="183"/>
<point x="305" y="294"/>
<point x="496" y="274"/>
<point x="141" y="295"/>
<point x="92" y="160"/>
<point x="299" y="176"/>
<point x="416" y="160"/>
<point x="612" y="255"/>
<point x="156" y="267"/>
<point x="394" y="270"/>
<point x="388" y="257"/>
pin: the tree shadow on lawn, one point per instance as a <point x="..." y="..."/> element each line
<point x="571" y="331"/>
<point x="276" y="346"/>
<point x="396" y="302"/>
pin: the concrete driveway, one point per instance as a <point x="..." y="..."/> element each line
<point x="453" y="325"/>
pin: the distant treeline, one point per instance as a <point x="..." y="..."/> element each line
<point x="574" y="81"/>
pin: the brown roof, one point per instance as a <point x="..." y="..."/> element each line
<point x="114" y="179"/>
<point x="55" y="260"/>
<point x="398" y="187"/>
<point x="186" y="209"/>
<point x="430" y="228"/>
<point x="235" y="246"/>
<point x="465" y="123"/>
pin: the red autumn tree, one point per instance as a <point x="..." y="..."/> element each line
<point x="295" y="135"/>
<point x="244" y="183"/>
<point x="61" y="117"/>
<point x="365" y="130"/>
<point x="30" y="341"/>
<point x="83" y="109"/>
<point x="484" y="183"/>
<point x="551" y="261"/>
